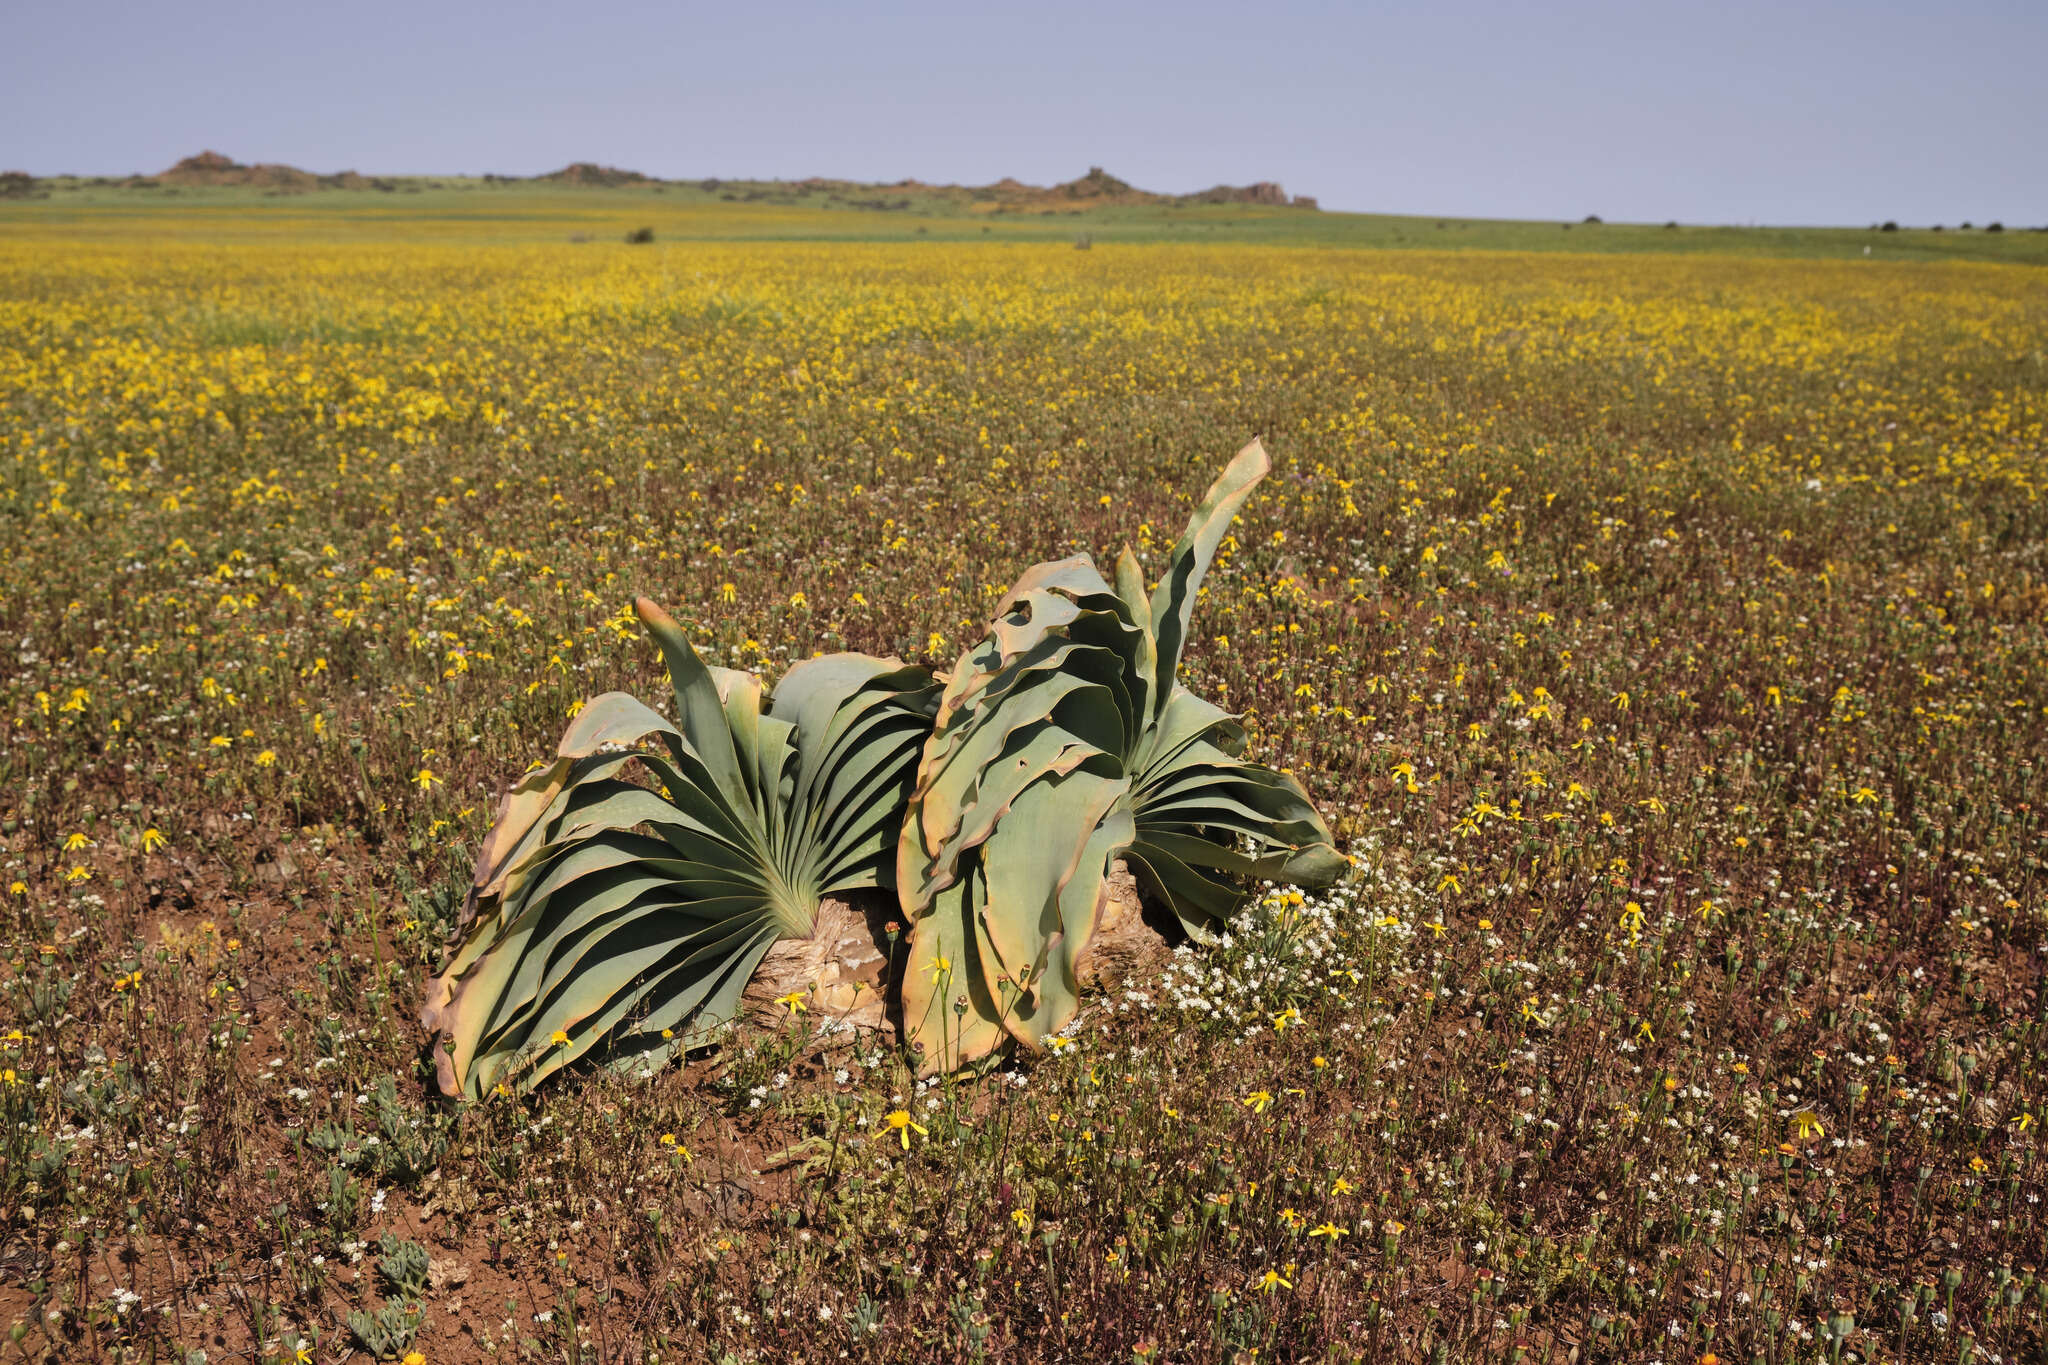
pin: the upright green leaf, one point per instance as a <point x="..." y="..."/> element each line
<point x="1173" y="600"/>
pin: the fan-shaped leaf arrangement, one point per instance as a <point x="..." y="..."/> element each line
<point x="621" y="920"/>
<point x="1063" y="741"/>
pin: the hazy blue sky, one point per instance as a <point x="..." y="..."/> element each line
<point x="1777" y="113"/>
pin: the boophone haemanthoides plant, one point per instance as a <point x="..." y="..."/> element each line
<point x="1064" y="742"/>
<point x="627" y="891"/>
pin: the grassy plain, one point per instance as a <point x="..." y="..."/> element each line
<point x="477" y="211"/>
<point x="1663" y="634"/>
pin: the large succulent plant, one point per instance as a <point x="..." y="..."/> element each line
<point x="1063" y="742"/>
<point x="622" y="920"/>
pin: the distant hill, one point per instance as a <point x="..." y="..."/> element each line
<point x="1095" y="189"/>
<point x="1098" y="186"/>
<point x="590" y="173"/>
<point x="1092" y="190"/>
<point x="212" y="168"/>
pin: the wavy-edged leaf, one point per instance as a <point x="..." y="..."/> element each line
<point x="944" y="969"/>
<point x="1055" y="894"/>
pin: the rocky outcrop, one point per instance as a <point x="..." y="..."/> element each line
<point x="211" y="168"/>
<point x="1259" y="192"/>
<point x="590" y="173"/>
<point x="1099" y="186"/>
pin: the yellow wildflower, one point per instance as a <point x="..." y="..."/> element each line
<point x="902" y="1124"/>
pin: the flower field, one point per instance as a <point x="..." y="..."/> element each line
<point x="1664" y="637"/>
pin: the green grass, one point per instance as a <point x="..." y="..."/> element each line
<point x="480" y="211"/>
